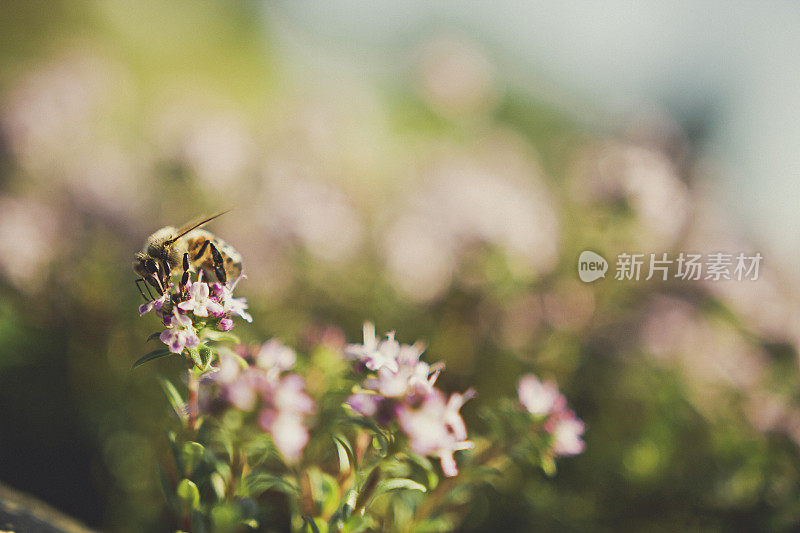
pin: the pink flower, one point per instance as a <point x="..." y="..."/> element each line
<point x="180" y="334"/>
<point x="199" y="302"/>
<point x="436" y="428"/>
<point x="275" y="357"/>
<point x="364" y="403"/>
<point x="537" y="397"/>
<point x="289" y="396"/>
<point x="225" y="324"/>
<point x="238" y="307"/>
<point x="288" y="432"/>
<point x="283" y="418"/>
<point x="231" y="305"/>
<point x="242" y="388"/>
<point x="566" y="430"/>
<point x="374" y="354"/>
<point x="406" y="380"/>
<point x="241" y="394"/>
<point x="153" y="304"/>
<point x="228" y="370"/>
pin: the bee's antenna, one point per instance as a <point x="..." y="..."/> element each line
<point x="195" y="226"/>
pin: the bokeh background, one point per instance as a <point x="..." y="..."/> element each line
<point x="436" y="169"/>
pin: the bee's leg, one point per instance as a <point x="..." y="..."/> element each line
<point x="219" y="265"/>
<point x="149" y="292"/>
<point x="203" y="249"/>
<point x="140" y="280"/>
<point x="154" y="280"/>
<point x="185" y="277"/>
<point x="166" y="269"/>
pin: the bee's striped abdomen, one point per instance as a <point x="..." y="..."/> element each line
<point x="232" y="261"/>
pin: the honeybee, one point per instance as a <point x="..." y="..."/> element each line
<point x="190" y="246"/>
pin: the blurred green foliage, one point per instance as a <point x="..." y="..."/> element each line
<point x="690" y="426"/>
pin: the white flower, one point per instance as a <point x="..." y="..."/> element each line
<point x="375" y="355"/>
<point x="436" y="428"/>
<point x="199" y="302"/>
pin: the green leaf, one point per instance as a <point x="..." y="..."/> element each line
<point x="357" y="523"/>
<point x="347" y="459"/>
<point x="206" y="355"/>
<point x="194" y="354"/>
<point x="192" y="456"/>
<point x="324" y="491"/>
<point x="225" y="518"/>
<point x="310" y="523"/>
<point x="426" y="466"/>
<point x="439" y="524"/>
<point x="155" y="354"/>
<point x="174" y="397"/>
<point x="400" y="483"/>
<point x="221" y="336"/>
<point x="548" y="465"/>
<point x="153" y="336"/>
<point x="176" y="452"/>
<point x="165" y="486"/>
<point x="218" y="485"/>
<point x="188" y="495"/>
<point x="258" y="483"/>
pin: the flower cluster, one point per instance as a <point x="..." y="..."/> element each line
<point x="543" y="400"/>
<point x="187" y="309"/>
<point x="268" y="387"/>
<point x="398" y="386"/>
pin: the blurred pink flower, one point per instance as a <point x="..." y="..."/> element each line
<point x="288" y="432"/>
<point x="364" y="403"/>
<point x="290" y="397"/>
<point x="455" y="77"/>
<point x="407" y="379"/>
<point x="283" y="417"/>
<point x="491" y="195"/>
<point x="537" y="397"/>
<point x="275" y="357"/>
<point x="242" y="393"/>
<point x="375" y="355"/>
<point x="566" y="430"/>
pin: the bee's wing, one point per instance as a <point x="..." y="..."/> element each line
<point x="194" y="224"/>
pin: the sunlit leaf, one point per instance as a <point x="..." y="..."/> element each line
<point x="174" y="397"/>
<point x="218" y="485"/>
<point x="192" y="455"/>
<point x="188" y="495"/>
<point x="221" y="336"/>
<point x="400" y="483"/>
<point x="347" y="459"/>
<point x="261" y="482"/>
